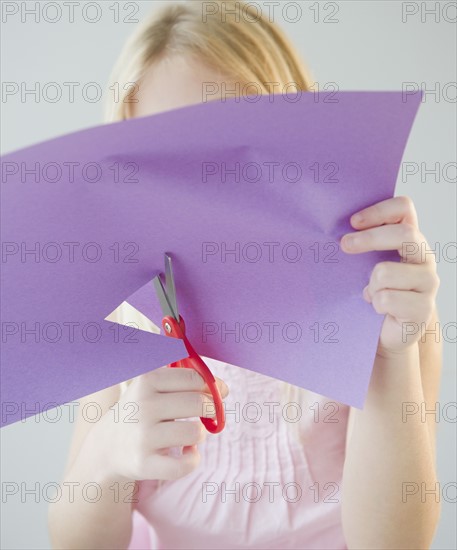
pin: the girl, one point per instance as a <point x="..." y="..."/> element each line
<point x="335" y="478"/>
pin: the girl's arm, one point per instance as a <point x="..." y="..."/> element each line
<point x="390" y="455"/>
<point x="74" y="521"/>
<point x="389" y="475"/>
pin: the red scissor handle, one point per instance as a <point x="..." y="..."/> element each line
<point x="174" y="329"/>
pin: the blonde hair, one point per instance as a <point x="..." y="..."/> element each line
<point x="241" y="45"/>
<point x="234" y="39"/>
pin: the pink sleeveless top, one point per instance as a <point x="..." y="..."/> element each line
<point x="271" y="479"/>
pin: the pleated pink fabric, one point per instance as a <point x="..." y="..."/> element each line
<point x="271" y="479"/>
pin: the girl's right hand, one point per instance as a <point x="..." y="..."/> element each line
<point x="136" y="446"/>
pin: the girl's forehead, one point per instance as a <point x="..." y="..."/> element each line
<point x="178" y="81"/>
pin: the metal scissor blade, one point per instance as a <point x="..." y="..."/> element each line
<point x="162" y="295"/>
<point x="171" y="289"/>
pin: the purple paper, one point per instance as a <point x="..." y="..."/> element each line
<point x="249" y="198"/>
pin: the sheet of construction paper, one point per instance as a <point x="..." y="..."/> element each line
<point x="250" y="198"/>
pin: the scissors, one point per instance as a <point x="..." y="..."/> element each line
<point x="173" y="325"/>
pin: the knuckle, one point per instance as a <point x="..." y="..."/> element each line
<point x="380" y="273"/>
<point x="406" y="203"/>
<point x="430" y="280"/>
<point x="381" y="301"/>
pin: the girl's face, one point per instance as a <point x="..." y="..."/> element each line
<point x="178" y="81"/>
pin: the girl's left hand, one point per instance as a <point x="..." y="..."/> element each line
<point x="404" y="291"/>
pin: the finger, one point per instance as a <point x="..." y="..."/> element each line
<point x="222" y="386"/>
<point x="404" y="238"/>
<point x="402" y="276"/>
<point x="183" y="405"/>
<point x="170" y="380"/>
<point x="178" y="434"/>
<point x="172" y="467"/>
<point x="401" y="304"/>
<point x="395" y="210"/>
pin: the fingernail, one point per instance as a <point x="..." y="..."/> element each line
<point x="357" y="218"/>
<point x="348" y="241"/>
<point x="366" y="295"/>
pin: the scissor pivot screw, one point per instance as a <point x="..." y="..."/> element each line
<point x="167" y="327"/>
